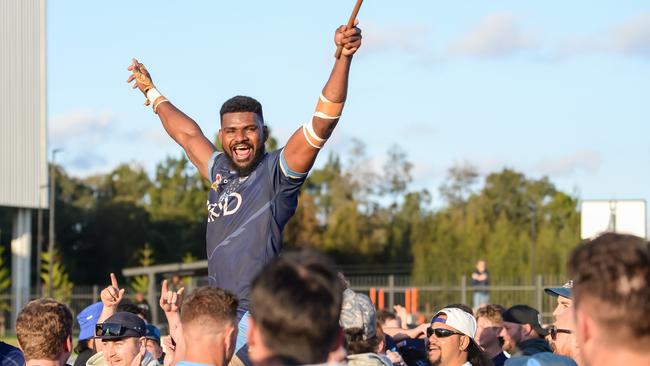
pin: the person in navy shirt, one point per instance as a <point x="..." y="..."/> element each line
<point x="253" y="193"/>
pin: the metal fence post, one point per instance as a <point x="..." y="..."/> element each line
<point x="151" y="298"/>
<point x="95" y="293"/>
<point x="391" y="291"/>
<point x="539" y="290"/>
<point x="463" y="289"/>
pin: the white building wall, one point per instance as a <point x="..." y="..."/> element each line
<point x="23" y="130"/>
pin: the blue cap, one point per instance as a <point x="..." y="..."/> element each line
<point x="564" y="291"/>
<point x="87" y="319"/>
<point x="153" y="333"/>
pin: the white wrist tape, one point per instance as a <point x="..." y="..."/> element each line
<point x="153" y="94"/>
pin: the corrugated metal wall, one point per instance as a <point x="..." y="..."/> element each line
<point x="23" y="130"/>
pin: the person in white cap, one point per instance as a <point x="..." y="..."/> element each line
<point x="450" y="340"/>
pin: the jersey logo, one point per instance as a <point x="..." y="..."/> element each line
<point x="222" y="208"/>
<point x="215" y="184"/>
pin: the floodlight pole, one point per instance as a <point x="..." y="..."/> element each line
<point x="50" y="247"/>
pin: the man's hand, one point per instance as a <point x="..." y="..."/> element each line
<point x="403" y="315"/>
<point x="140" y="76"/>
<point x="170" y="349"/>
<point x="112" y="295"/>
<point x="170" y="301"/>
<point x="137" y="360"/>
<point x="350" y="39"/>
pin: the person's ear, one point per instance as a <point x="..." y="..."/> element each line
<point x="230" y="338"/>
<point x="68" y="344"/>
<point x="464" y="343"/>
<point x="265" y="133"/>
<point x="339" y="340"/>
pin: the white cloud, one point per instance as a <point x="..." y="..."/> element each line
<point x="498" y="35"/>
<point x="633" y="36"/>
<point x="584" y="160"/>
<point x="81" y="125"/>
<point x="410" y="38"/>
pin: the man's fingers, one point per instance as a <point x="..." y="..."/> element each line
<point x="174" y="298"/>
<point x="164" y="288"/>
<point x="131" y="78"/>
<point x="114" y="280"/>
<point x="121" y="293"/>
<point x="170" y="295"/>
<point x="180" y="292"/>
<point x="352" y="31"/>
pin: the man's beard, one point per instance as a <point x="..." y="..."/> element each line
<point x="246" y="170"/>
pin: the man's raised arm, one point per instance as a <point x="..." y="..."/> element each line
<point x="303" y="146"/>
<point x="178" y="125"/>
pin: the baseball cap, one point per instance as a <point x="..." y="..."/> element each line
<point x="87" y="319"/>
<point x="121" y="325"/>
<point x="524" y="314"/>
<point x="457" y="319"/>
<point x="153" y="333"/>
<point x="564" y="291"/>
<point x="357" y="311"/>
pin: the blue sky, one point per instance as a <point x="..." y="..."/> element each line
<point x="557" y="88"/>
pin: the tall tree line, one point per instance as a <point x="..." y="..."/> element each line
<point x="358" y="214"/>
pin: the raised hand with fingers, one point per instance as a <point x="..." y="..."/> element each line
<point x="349" y="38"/>
<point x="112" y="295"/>
<point x="142" y="79"/>
<point x="170" y="301"/>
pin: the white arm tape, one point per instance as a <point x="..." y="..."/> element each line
<point x="153" y="94"/>
<point x="310" y="130"/>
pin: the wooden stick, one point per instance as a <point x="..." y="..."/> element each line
<point x="353" y="17"/>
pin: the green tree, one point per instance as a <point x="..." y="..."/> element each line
<point x="5" y="280"/>
<point x="61" y="284"/>
<point x="145" y="259"/>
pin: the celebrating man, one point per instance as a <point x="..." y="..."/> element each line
<point x="253" y="193"/>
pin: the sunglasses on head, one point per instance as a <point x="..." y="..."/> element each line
<point x="553" y="331"/>
<point x="113" y="329"/>
<point x="441" y="332"/>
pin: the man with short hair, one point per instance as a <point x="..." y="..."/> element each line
<point x="209" y="322"/>
<point x="123" y="338"/>
<point x="295" y="307"/>
<point x="489" y="323"/>
<point x="561" y="334"/>
<point x="611" y="300"/>
<point x="450" y="340"/>
<point x="522" y="332"/>
<point x="44" y="332"/>
<point x="153" y="343"/>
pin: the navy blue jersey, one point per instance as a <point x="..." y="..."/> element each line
<point x="246" y="216"/>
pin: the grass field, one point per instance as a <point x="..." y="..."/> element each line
<point x="10" y="339"/>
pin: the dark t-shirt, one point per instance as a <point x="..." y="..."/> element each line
<point x="10" y="355"/>
<point x="83" y="357"/>
<point x="246" y="217"/>
<point x="499" y="359"/>
<point x="483" y="283"/>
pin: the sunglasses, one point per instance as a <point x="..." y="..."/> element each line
<point x="441" y="332"/>
<point x="553" y="331"/>
<point x="113" y="329"/>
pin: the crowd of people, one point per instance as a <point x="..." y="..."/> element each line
<point x="302" y="312"/>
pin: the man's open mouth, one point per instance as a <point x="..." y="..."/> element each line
<point x="242" y="152"/>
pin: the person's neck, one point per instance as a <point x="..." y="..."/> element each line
<point x="44" y="363"/>
<point x="196" y="348"/>
<point x="619" y="356"/>
<point x="456" y="361"/>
